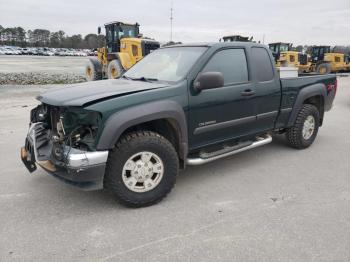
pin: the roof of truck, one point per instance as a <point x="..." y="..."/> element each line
<point x="216" y="44"/>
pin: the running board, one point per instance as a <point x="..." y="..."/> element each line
<point x="200" y="160"/>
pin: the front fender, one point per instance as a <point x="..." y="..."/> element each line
<point x="125" y="60"/>
<point x="122" y="120"/>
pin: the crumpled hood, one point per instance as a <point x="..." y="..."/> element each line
<point x="89" y="92"/>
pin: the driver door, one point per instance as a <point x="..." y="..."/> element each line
<point x="227" y="112"/>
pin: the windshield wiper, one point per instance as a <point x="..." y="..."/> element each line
<point x="142" y="78"/>
<point x="126" y="77"/>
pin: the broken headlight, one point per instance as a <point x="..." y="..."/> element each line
<point x="78" y="128"/>
<point x="39" y="114"/>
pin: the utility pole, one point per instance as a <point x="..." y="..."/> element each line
<point x="263" y="39"/>
<point x="171" y="22"/>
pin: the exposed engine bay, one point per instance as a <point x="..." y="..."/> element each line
<point x="59" y="131"/>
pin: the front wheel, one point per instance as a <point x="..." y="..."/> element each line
<point x="115" y="69"/>
<point x="323" y="68"/>
<point x="93" y="70"/>
<point x="141" y="169"/>
<point x="304" y="131"/>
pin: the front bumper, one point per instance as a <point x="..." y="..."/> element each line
<point x="83" y="169"/>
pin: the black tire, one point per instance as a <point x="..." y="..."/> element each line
<point x="295" y="133"/>
<point x="129" y="145"/>
<point x="323" y="68"/>
<point x="115" y="69"/>
<point x="93" y="70"/>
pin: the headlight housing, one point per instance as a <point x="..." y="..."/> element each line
<point x="80" y="127"/>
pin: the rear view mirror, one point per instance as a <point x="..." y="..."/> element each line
<point x="209" y="80"/>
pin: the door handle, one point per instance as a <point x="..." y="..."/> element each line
<point x="247" y="92"/>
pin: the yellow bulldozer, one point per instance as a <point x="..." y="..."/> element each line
<point x="286" y="57"/>
<point x="124" y="47"/>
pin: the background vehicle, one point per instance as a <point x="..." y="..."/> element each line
<point x="237" y="38"/>
<point x="285" y="57"/>
<point x="10" y="51"/>
<point x="278" y="48"/>
<point x="295" y="59"/>
<point x="325" y="61"/>
<point x="24" y="51"/>
<point x="181" y="105"/>
<point x="124" y="47"/>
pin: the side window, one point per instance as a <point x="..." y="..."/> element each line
<point x="292" y="58"/>
<point x="232" y="63"/>
<point x="261" y="64"/>
<point x="134" y="50"/>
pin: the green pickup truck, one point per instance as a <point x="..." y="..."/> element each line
<point x="181" y="105"/>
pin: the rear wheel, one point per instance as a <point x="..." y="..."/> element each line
<point x="305" y="128"/>
<point x="141" y="169"/>
<point x="115" y="69"/>
<point x="93" y="71"/>
<point x="323" y="68"/>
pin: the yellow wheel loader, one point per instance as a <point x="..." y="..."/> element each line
<point x="295" y="59"/>
<point x="124" y="47"/>
<point x="325" y="61"/>
<point x="285" y="57"/>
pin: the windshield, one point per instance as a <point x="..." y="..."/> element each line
<point x="127" y="31"/>
<point x="284" y="48"/>
<point x="168" y="64"/>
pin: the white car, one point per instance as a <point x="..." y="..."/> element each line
<point x="9" y="51"/>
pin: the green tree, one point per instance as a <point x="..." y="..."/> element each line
<point x="91" y="41"/>
<point x="55" y="39"/>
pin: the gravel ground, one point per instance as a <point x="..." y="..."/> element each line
<point x="36" y="70"/>
<point x="40" y="78"/>
<point x="269" y="204"/>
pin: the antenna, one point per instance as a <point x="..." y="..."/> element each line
<point x="171" y="21"/>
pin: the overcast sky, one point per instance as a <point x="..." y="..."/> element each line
<point x="296" y="21"/>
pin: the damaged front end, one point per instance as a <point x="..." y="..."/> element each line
<point x="62" y="140"/>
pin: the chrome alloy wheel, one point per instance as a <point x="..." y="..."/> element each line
<point x="308" y="127"/>
<point x="143" y="172"/>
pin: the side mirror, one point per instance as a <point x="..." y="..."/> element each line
<point x="99" y="30"/>
<point x="208" y="80"/>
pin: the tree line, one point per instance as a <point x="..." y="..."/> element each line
<point x="18" y="36"/>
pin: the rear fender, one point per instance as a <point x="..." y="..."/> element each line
<point x="304" y="94"/>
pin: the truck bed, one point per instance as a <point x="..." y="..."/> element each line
<point x="292" y="86"/>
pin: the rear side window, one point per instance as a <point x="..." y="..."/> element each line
<point x="261" y="64"/>
<point x="232" y="63"/>
<point x="134" y="50"/>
